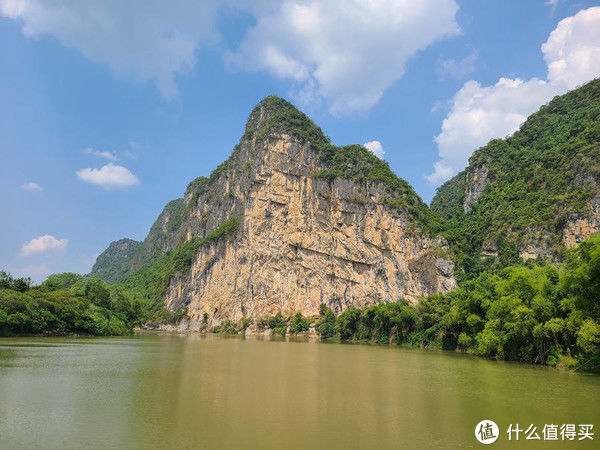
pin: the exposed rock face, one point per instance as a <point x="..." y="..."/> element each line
<point x="305" y="241"/>
<point x="580" y="228"/>
<point x="476" y="180"/>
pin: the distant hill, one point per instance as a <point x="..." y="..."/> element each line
<point x="535" y="193"/>
<point x="116" y="261"/>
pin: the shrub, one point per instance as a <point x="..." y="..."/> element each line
<point x="278" y="324"/>
<point x="326" y="323"/>
<point x="299" y="323"/>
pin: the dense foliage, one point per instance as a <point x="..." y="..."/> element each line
<point x="299" y="323"/>
<point x="16" y="284"/>
<point x="536" y="313"/>
<point x="64" y="304"/>
<point x="116" y="261"/>
<point x="449" y="198"/>
<point x="536" y="179"/>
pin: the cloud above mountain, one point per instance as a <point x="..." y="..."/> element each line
<point x="43" y="244"/>
<point x="110" y="176"/>
<point x="375" y="147"/>
<point x="345" y="52"/>
<point x="481" y="113"/>
<point x="155" y="41"/>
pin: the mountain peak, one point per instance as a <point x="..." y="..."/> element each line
<point x="276" y="115"/>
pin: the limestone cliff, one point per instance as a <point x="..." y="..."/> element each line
<point x="313" y="224"/>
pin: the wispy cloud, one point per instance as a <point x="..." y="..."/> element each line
<point x="451" y="68"/>
<point x="100" y="153"/>
<point x="42" y="244"/>
<point x="110" y="176"/>
<point x="31" y="186"/>
<point x="552" y="3"/>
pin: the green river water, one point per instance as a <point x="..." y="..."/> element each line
<point x="191" y="391"/>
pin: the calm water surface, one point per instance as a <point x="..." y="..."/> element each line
<point x="168" y="391"/>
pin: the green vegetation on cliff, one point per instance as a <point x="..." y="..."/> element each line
<point x="352" y="162"/>
<point x="536" y="179"/>
<point x="126" y="255"/>
<point x="149" y="282"/>
<point x="116" y="261"/>
<point x="283" y="117"/>
<point x="449" y="198"/>
<point x="536" y="313"/>
<point x="184" y="254"/>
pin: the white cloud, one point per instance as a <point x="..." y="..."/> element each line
<point x="347" y="52"/>
<point x="31" y="186"/>
<point x="375" y="147"/>
<point x="100" y="153"/>
<point x="481" y="113"/>
<point x="441" y="173"/>
<point x="109" y="176"/>
<point x="344" y="51"/>
<point x="451" y="68"/>
<point x="572" y="51"/>
<point x="43" y="244"/>
<point x="150" y="41"/>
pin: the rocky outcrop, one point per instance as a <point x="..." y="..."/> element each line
<point x="581" y="227"/>
<point x="307" y="223"/>
<point x="476" y="181"/>
<point x="305" y="241"/>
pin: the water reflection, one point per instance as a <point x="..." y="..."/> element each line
<point x="192" y="391"/>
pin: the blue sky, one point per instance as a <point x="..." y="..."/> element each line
<point x="108" y="111"/>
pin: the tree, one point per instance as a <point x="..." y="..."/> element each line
<point x="299" y="323"/>
<point x="326" y="324"/>
<point x="582" y="278"/>
<point x="97" y="292"/>
<point x="58" y="281"/>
